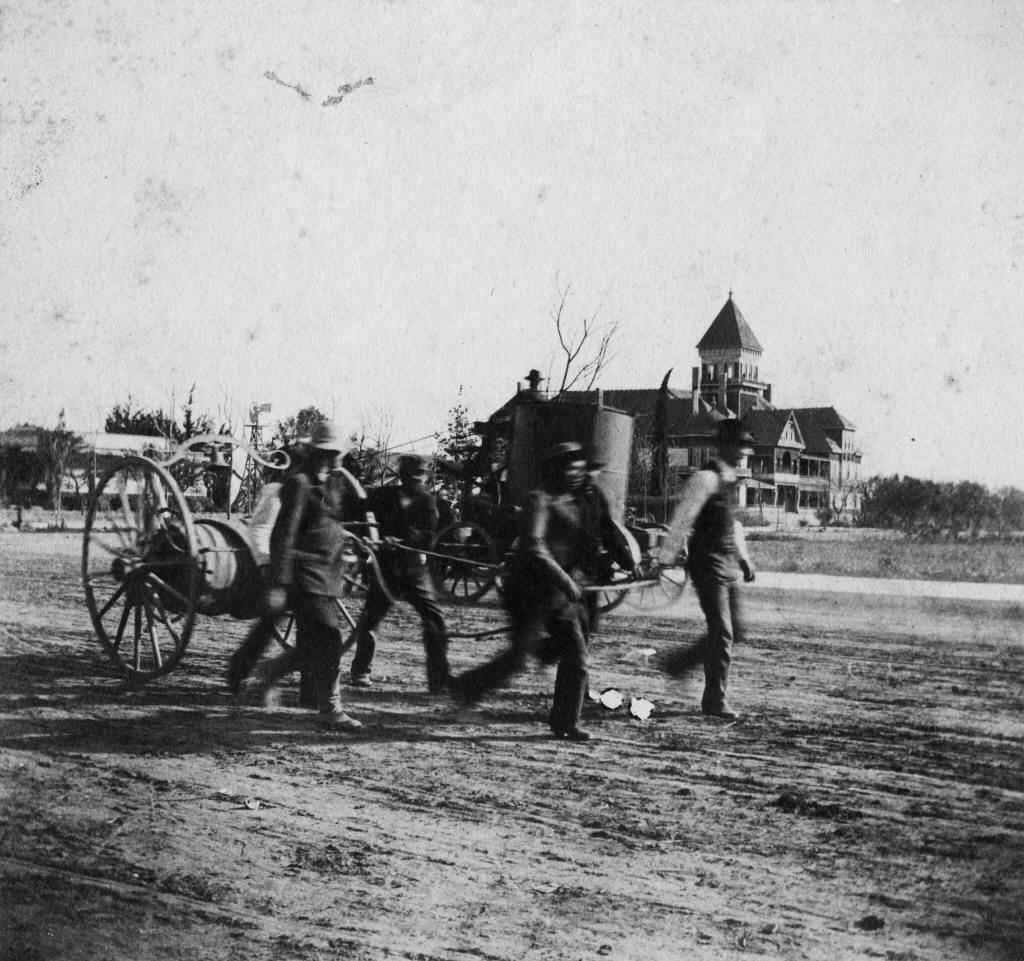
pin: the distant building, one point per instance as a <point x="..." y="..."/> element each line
<point x="805" y="459"/>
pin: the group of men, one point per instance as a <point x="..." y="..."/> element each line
<point x="567" y="540"/>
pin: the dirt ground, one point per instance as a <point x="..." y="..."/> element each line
<point x="869" y="803"/>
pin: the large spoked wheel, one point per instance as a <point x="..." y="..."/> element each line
<point x="465" y="562"/>
<point x="140" y="568"/>
<point x="658" y="593"/>
<point x="608" y="600"/>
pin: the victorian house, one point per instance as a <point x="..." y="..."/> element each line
<point x="805" y="459"/>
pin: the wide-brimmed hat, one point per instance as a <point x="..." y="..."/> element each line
<point x="732" y="432"/>
<point x="327" y="436"/>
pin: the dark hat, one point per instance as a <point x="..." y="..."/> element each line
<point x="567" y="450"/>
<point x="731" y="432"/>
<point x="411" y="464"/>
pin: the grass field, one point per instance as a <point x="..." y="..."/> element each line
<point x="997" y="562"/>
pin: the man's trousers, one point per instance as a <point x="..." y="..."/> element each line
<point x="549" y="626"/>
<point x="414" y="585"/>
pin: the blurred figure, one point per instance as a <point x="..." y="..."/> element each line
<point x="544" y="596"/>
<point x="407" y="521"/>
<point x="306" y="548"/>
<point x="260" y="528"/>
<point x="705" y="535"/>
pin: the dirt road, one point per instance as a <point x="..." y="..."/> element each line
<point x="870" y="802"/>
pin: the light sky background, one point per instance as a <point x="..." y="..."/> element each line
<point x="853" y="172"/>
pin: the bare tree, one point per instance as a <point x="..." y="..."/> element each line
<point x="371" y="443"/>
<point x="841" y="500"/>
<point x="56" y="449"/>
<point x="584" y="344"/>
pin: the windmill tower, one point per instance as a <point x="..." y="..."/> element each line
<point x="250" y="481"/>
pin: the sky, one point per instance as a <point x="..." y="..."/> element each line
<point x="181" y="203"/>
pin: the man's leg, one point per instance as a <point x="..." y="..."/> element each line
<point x="420" y="593"/>
<point x="377" y="607"/>
<point x="717" y="605"/>
<point x="568" y="633"/>
<point x="321" y="630"/>
<point x="251" y="650"/>
<point x="528" y="615"/>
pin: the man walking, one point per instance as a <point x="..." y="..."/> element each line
<point x="544" y="596"/>
<point x="306" y="547"/>
<point x="705" y="516"/>
<point x="407" y="520"/>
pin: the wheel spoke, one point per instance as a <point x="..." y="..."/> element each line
<point x="140" y="506"/>
<point x="151" y="629"/>
<point x="106" y="607"/>
<point x="122" y="490"/>
<point x="163" y="587"/>
<point x="158" y="603"/>
<point x="137" y="639"/>
<point x="123" y="622"/>
<point x="112" y="524"/>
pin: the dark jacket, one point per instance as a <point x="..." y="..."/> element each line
<point x="307" y="541"/>
<point x="556" y="546"/>
<point x="414" y="523"/>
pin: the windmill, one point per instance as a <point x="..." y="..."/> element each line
<point x="247" y="478"/>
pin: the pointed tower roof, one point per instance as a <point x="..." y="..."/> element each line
<point x="729" y="330"/>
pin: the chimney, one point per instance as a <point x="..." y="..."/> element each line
<point x="768" y="393"/>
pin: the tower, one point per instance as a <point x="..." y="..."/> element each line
<point x="251" y="482"/>
<point x="728" y="377"/>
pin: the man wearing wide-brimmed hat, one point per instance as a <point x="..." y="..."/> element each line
<point x="705" y="535"/>
<point x="306" y="548"/>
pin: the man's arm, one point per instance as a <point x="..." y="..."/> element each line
<point x="614" y="540"/>
<point x="536" y="529"/>
<point x="742" y="554"/>
<point x="698" y="490"/>
<point x="286" y="530"/>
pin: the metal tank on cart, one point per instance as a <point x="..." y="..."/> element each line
<point x="605" y="433"/>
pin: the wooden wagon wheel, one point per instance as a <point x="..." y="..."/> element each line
<point x="140" y="568"/>
<point x="465" y="562"/>
<point x="607" y="601"/>
<point x="658" y="593"/>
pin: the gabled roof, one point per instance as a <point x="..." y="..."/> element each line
<point x="826" y="418"/>
<point x="767" y="426"/>
<point x="729" y="330"/>
<point x="816" y="441"/>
